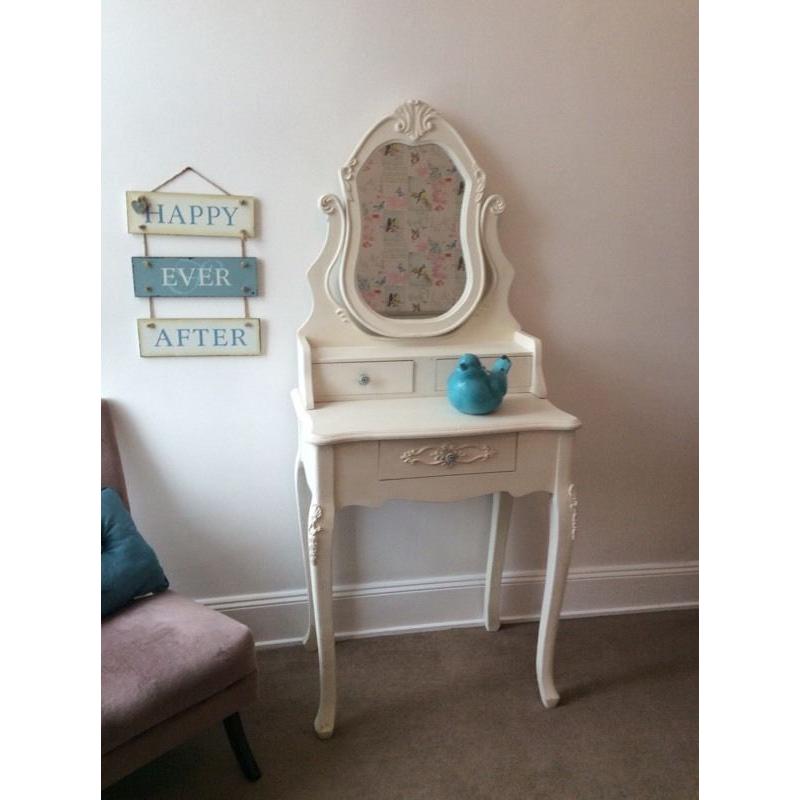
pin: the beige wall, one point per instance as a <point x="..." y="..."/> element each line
<point x="583" y="115"/>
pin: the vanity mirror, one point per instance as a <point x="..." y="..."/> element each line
<point x="412" y="264"/>
<point x="411" y="276"/>
<point x="409" y="259"/>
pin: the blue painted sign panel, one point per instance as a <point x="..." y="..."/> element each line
<point x="194" y="277"/>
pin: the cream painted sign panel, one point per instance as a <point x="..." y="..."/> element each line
<point x="190" y="214"/>
<point x="199" y="337"/>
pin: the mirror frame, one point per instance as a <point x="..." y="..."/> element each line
<point x="413" y="123"/>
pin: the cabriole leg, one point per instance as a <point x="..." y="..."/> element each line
<point x="321" y="517"/>
<point x="502" y="503"/>
<point x="558" y="555"/>
<point x="303" y="497"/>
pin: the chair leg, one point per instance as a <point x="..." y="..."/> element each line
<point x="241" y="747"/>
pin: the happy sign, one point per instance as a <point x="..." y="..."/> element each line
<point x="190" y="214"/>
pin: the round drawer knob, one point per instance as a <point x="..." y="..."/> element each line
<point x="363" y="379"/>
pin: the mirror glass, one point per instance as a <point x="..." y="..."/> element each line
<point x="410" y="262"/>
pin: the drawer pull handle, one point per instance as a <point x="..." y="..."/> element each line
<point x="447" y="455"/>
<point x="363" y="379"/>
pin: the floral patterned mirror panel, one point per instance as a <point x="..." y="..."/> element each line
<point x="410" y="261"/>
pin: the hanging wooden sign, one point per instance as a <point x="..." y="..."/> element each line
<point x="194" y="277"/>
<point x="199" y="337"/>
<point x="190" y="214"/>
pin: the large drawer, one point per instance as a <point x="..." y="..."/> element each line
<point x="362" y="378"/>
<point x="465" y="455"/>
<point x="519" y="376"/>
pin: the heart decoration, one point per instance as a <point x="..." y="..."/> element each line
<point x="140" y="205"/>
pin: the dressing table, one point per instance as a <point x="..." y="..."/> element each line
<point x="411" y="276"/>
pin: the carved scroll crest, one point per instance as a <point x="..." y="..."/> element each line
<point x="315" y="530"/>
<point x="414" y="119"/>
<point x="448" y="455"/>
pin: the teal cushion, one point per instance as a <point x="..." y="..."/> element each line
<point x="130" y="567"/>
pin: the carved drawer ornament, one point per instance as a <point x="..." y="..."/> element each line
<point x="314" y="533"/>
<point x="448" y="455"/>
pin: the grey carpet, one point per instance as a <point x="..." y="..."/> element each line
<point x="456" y="714"/>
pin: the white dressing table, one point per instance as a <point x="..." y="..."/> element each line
<point x="412" y="276"/>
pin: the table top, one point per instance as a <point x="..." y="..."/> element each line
<point x="422" y="417"/>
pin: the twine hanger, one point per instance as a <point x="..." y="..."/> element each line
<point x="183" y="171"/>
<point x="243" y="234"/>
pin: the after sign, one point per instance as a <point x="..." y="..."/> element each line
<point x="199" y="337"/>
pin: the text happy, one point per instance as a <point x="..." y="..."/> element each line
<point x="203" y="215"/>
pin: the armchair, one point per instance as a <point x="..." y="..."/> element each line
<point x="170" y="667"/>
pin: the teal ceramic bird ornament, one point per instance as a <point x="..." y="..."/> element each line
<point x="473" y="389"/>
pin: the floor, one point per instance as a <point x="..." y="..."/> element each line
<point x="455" y="714"/>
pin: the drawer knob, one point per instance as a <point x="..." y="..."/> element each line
<point x="363" y="379"/>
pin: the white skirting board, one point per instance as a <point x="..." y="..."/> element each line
<point x="376" y="609"/>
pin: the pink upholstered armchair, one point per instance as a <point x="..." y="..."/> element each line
<point x="170" y="667"/>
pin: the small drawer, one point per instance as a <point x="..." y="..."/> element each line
<point x="357" y="378"/>
<point x="519" y="376"/>
<point x="465" y="455"/>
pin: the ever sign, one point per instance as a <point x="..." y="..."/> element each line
<point x="162" y="276"/>
<point x="190" y="214"/>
